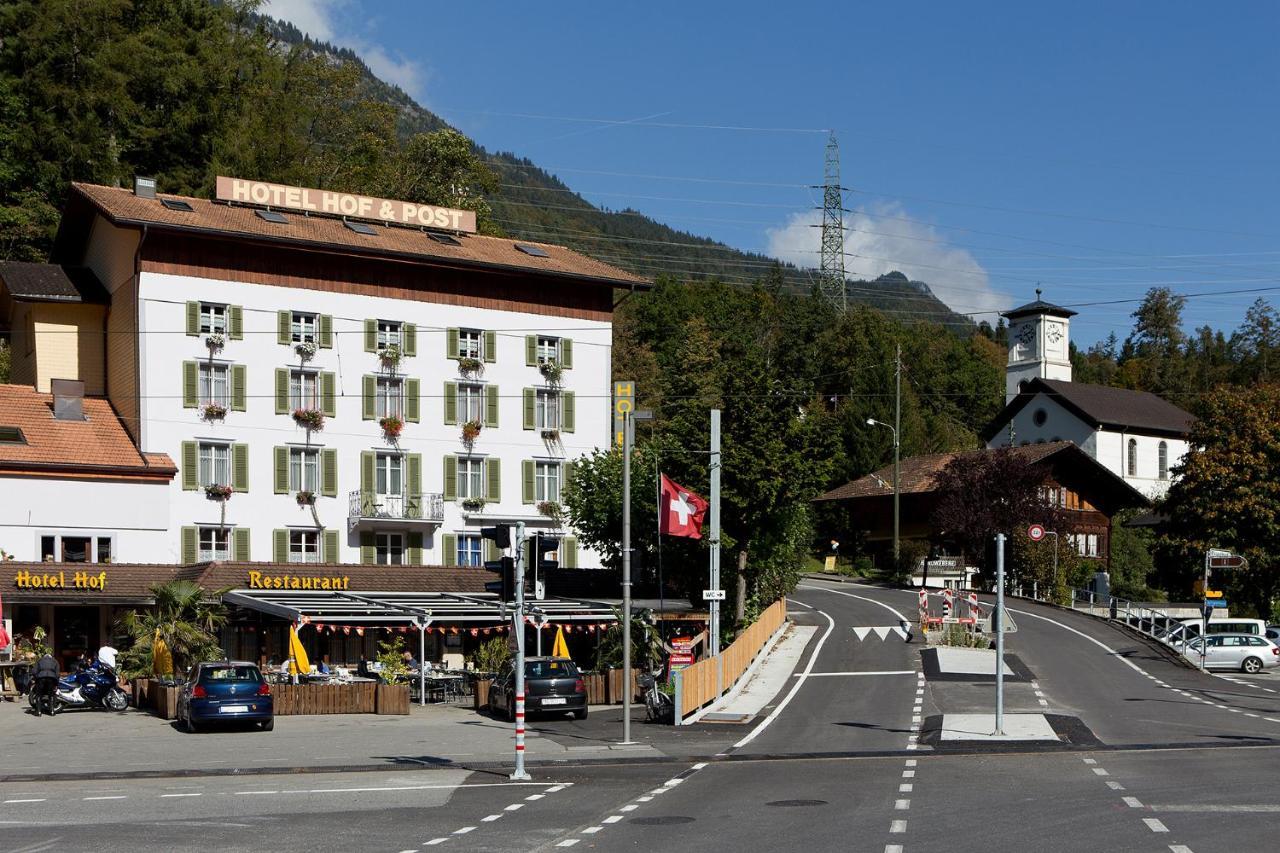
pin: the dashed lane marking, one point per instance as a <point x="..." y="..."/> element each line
<point x="433" y="842"/>
<point x="490" y="818"/>
<point x="1132" y="802"/>
<point x="898" y="827"/>
<point x="905" y="788"/>
<point x="164" y="796"/>
<point x="116" y="797"/>
<point x="592" y="830"/>
<point x="1098" y="771"/>
<point x="464" y="830"/>
<point x="612" y="818"/>
<point x="901" y="805"/>
<point x="1154" y="824"/>
<point x="1179" y="848"/>
<point x="1114" y="785"/>
<point x="568" y="842"/>
<point x="32" y="800"/>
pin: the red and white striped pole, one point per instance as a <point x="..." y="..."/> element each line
<point x="520" y="772"/>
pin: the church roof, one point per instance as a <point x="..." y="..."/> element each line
<point x="1038" y="307"/>
<point x="1102" y="407"/>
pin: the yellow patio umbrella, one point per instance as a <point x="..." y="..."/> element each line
<point x="299" y="664"/>
<point x="560" y="649"/>
<point x="161" y="657"/>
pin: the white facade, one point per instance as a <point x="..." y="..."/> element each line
<point x="129" y="518"/>
<point x="1039" y="348"/>
<point x="259" y="511"/>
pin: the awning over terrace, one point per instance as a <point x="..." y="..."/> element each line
<point x="398" y="608"/>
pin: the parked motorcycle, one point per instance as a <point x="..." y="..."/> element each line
<point x="95" y="686"/>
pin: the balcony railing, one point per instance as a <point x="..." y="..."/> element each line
<point x="370" y="506"/>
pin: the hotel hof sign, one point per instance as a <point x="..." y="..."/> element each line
<point x="345" y="204"/>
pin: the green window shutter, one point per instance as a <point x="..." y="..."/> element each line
<point x="240" y="545"/>
<point x="526" y="481"/>
<point x="491" y="406"/>
<point x="368" y="397"/>
<point x="367" y="479"/>
<point x="568" y="553"/>
<point x="193" y="318"/>
<point x="190" y="466"/>
<point x="280" y="546"/>
<point x="239" y="395"/>
<point x="450" y="343"/>
<point x="530" y="407"/>
<point x="449" y="545"/>
<point x="531" y="350"/>
<point x="414" y="540"/>
<point x="282" y="391"/>
<point x="566" y="353"/>
<point x="368" y="548"/>
<point x="450" y="403"/>
<point x="566" y="477"/>
<point x="326" y="332"/>
<point x="235" y="326"/>
<point x="331" y="554"/>
<point x="328" y="394"/>
<point x="189" y="536"/>
<point x="568" y="411"/>
<point x="284" y="327"/>
<point x="451" y="478"/>
<point x="412" y="400"/>
<point x="329" y="472"/>
<point x="491" y="551"/>
<point x="370" y="335"/>
<point x="190" y="385"/>
<point x="409" y="337"/>
<point x="490" y="346"/>
<point x="240" y="467"/>
<point x="413" y="475"/>
<point x="281" y="478"/>
<point x="493" y="473"/>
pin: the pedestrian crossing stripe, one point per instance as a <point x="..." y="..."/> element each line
<point x="882" y="631"/>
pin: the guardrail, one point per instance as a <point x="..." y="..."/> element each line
<point x="709" y="678"/>
<point x="1146" y="620"/>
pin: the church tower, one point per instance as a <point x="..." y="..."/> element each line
<point x="1039" y="344"/>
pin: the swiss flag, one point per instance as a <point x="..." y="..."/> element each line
<point x="680" y="511"/>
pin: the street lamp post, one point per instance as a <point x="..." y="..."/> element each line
<point x="894" y="430"/>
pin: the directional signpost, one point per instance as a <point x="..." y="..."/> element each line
<point x="1215" y="558"/>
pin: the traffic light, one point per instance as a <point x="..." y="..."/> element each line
<point x="505" y="586"/>
<point x="544" y="545"/>
<point x="501" y="536"/>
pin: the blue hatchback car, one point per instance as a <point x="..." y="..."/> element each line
<point x="225" y="691"/>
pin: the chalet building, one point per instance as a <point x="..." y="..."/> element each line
<point x="1086" y="492"/>
<point x="1134" y="434"/>
<point x="298" y="377"/>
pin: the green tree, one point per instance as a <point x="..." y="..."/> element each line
<point x="1226" y="496"/>
<point x="6" y="361"/>
<point x="1259" y="341"/>
<point x="184" y="617"/>
<point x="1132" y="560"/>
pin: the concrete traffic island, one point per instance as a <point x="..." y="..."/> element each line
<point x="981" y="727"/>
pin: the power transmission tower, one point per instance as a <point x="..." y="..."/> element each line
<point x="831" y="274"/>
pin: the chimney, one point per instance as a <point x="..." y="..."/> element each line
<point x="68" y="399"/>
<point x="144" y="187"/>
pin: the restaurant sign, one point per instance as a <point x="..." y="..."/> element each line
<point x="345" y="204"/>
<point x="257" y="580"/>
<point x="59" y="580"/>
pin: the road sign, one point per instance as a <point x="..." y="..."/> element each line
<point x="1213" y="593"/>
<point x="1213" y="603"/>
<point x="829" y="564"/>
<point x="1035" y="532"/>
<point x="713" y="595"/>
<point x="1229" y="561"/>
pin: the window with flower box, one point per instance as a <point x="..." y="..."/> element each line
<point x="214" y="384"/>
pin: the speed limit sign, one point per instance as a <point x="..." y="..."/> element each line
<point x="1035" y="532"/>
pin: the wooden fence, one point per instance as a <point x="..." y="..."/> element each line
<point x="701" y="682"/>
<point x="293" y="699"/>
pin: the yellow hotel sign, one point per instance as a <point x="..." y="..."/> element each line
<point x="345" y="204"/>
<point x="624" y="401"/>
<point x="257" y="580"/>
<point x="58" y="580"/>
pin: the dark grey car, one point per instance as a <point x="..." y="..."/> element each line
<point x="551" y="686"/>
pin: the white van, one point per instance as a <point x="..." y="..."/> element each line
<point x="1189" y="629"/>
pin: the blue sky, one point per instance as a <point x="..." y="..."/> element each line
<point x="1098" y="149"/>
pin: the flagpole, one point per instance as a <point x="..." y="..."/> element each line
<point x="657" y="493"/>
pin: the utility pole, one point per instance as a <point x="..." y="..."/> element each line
<point x="714" y="646"/>
<point x="831" y="281"/>
<point x="520" y="773"/>
<point x="628" y="438"/>
<point x="897" y="431"/>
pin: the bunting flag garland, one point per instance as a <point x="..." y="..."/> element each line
<point x="319" y="628"/>
<point x="304" y="620"/>
<point x="346" y="629"/>
<point x="360" y="630"/>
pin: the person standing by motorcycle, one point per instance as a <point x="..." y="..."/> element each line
<point x="46" y="682"/>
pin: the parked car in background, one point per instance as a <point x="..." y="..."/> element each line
<point x="1189" y="629"/>
<point x="551" y="685"/>
<point x="225" y="691"/>
<point x="1245" y="652"/>
<point x="1273" y="633"/>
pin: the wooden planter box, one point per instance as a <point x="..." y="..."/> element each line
<point x="164" y="700"/>
<point x="597" y="688"/>
<point x="615" y="686"/>
<point x="296" y="699"/>
<point x="392" y="699"/>
<point x="482" y="692"/>
<point x="141" y="689"/>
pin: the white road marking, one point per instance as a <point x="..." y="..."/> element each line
<point x="34" y="800"/>
<point x="1132" y="802"/>
<point x="905" y="788"/>
<point x="699" y="765"/>
<point x="433" y="842"/>
<point x="592" y="830"/>
<point x="1179" y="848"/>
<point x="902" y="805"/>
<point x="612" y="818"/>
<point x="908" y="774"/>
<point x="672" y="782"/>
<point x="163" y="796"/>
<point x="1155" y="825"/>
<point x="1115" y="786"/>
<point x="253" y="793"/>
<point x="1100" y="771"/>
<point x="911" y="762"/>
<point x="893" y="848"/>
<point x="892" y="610"/>
<point x="813" y="657"/>
<point x="534" y="797"/>
<point x="569" y="842"/>
<point x="555" y="789"/>
<point x="464" y="830"/>
<point x="514" y="807"/>
<point x="116" y="797"/>
<point x="629" y="808"/>
<point x="1245" y="808"/>
<point x="490" y="818"/>
<point x="898" y="827"/>
<point x="865" y="672"/>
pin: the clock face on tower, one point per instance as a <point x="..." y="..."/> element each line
<point x="1054" y="333"/>
<point x="1027" y="336"/>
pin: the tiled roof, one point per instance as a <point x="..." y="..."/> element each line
<point x="98" y="442"/>
<point x="122" y="207"/>
<point x="1101" y="407"/>
<point x="51" y="283"/>
<point x="917" y="473"/>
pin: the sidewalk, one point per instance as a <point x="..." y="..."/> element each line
<point x="86" y="743"/>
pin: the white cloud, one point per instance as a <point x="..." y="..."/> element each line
<point x="879" y="239"/>
<point x="330" y="20"/>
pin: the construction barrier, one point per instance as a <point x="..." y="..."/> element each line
<point x="709" y="678"/>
